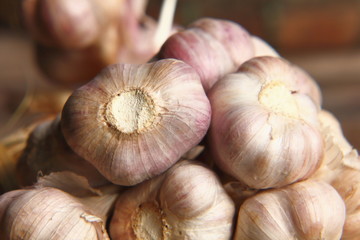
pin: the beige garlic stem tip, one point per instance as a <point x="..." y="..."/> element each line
<point x="165" y="22"/>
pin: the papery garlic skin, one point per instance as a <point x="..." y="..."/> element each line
<point x="347" y="183"/>
<point x="186" y="202"/>
<point x="264" y="131"/>
<point x="130" y="144"/>
<point x="307" y="210"/>
<point x="46" y="151"/>
<point x="213" y="47"/>
<point x="338" y="152"/>
<point x="48" y="213"/>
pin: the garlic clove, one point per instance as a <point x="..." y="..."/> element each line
<point x="304" y="210"/>
<point x="213" y="47"/>
<point x="264" y="131"/>
<point x="347" y="183"/>
<point x="132" y="122"/>
<point x="338" y="153"/>
<point x="262" y="48"/>
<point x="48" y="210"/>
<point x="47" y="151"/>
<point x="307" y="85"/>
<point x="186" y="202"/>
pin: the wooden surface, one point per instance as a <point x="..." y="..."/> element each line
<point x="338" y="74"/>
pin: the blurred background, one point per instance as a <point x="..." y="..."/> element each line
<point x="321" y="36"/>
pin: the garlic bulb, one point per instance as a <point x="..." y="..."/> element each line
<point x="133" y="122"/>
<point x="347" y="183"/>
<point x="46" y="212"/>
<point x="264" y="131"/>
<point x="307" y="210"/>
<point x="186" y="202"/>
<point x="213" y="47"/>
<point x="46" y="151"/>
<point x="66" y="23"/>
<point x="262" y="48"/>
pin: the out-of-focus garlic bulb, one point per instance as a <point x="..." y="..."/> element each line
<point x="133" y="122"/>
<point x="347" y="183"/>
<point x="213" y="47"/>
<point x="47" y="151"/>
<point x="338" y="153"/>
<point x="186" y="202"/>
<point x="262" y="48"/>
<point x="307" y="210"/>
<point x="71" y="68"/>
<point x="48" y="212"/>
<point x="264" y="131"/>
<point x="70" y="24"/>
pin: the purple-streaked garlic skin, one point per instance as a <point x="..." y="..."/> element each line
<point x="186" y="202"/>
<point x="303" y="210"/>
<point x="133" y="122"/>
<point x="264" y="131"/>
<point x="47" y="213"/>
<point x="212" y="47"/>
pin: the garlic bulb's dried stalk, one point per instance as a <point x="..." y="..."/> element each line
<point x="213" y="47"/>
<point x="186" y="202"/>
<point x="47" y="152"/>
<point x="264" y="131"/>
<point x="307" y="210"/>
<point x="347" y="183"/>
<point x="133" y="122"/>
<point x="47" y="212"/>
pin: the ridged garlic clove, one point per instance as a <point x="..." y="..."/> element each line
<point x="186" y="202"/>
<point x="133" y="122"/>
<point x="213" y="47"/>
<point x="46" y="151"/>
<point x="338" y="153"/>
<point x="347" y="183"/>
<point x="47" y="212"/>
<point x="264" y="131"/>
<point x="262" y="48"/>
<point x="307" y="210"/>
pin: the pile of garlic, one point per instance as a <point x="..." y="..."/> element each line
<point x="217" y="137"/>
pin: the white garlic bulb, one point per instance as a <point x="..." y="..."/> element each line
<point x="133" y="122"/>
<point x="264" y="131"/>
<point x="307" y="210"/>
<point x="47" y="211"/>
<point x="186" y="202"/>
